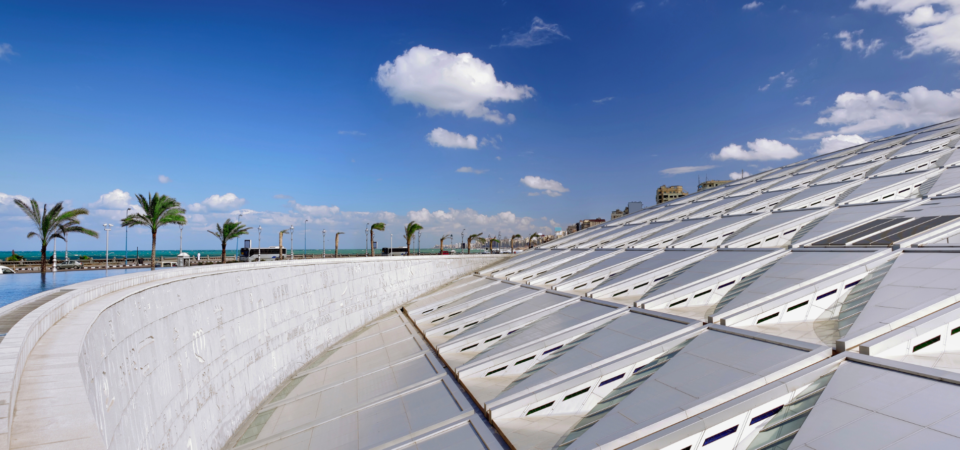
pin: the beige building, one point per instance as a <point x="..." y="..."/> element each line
<point x="617" y="214"/>
<point x="666" y="193"/>
<point x="711" y="184"/>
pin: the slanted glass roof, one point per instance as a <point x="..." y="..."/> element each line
<point x="910" y="163"/>
<point x="813" y="192"/>
<point x="920" y="147"/>
<point x="660" y="261"/>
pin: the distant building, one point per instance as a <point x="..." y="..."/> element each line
<point x="571" y="229"/>
<point x="666" y="193"/>
<point x="711" y="184"/>
<point x="587" y="223"/>
<point x="617" y="214"/>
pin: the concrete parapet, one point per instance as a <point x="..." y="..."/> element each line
<point x="181" y="357"/>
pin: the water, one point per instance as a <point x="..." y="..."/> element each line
<point x="118" y="255"/>
<point x="22" y="285"/>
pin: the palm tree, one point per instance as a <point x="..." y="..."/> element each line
<point x="512" y="239"/>
<point x="73" y="226"/>
<point x="410" y="231"/>
<point x="482" y="241"/>
<point x="49" y="223"/>
<point x="379" y="226"/>
<point x="229" y="230"/>
<point x="158" y="210"/>
<point x="471" y="238"/>
<point x="491" y="241"/>
<point x="532" y="237"/>
<point x="336" y="244"/>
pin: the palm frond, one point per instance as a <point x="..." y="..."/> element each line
<point x="379" y="226"/>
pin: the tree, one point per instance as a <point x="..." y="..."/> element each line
<point x="379" y="226"/>
<point x="410" y="231"/>
<point x="532" y="237"/>
<point x="482" y="241"/>
<point x="73" y="226"/>
<point x="229" y="230"/>
<point x="158" y="210"/>
<point x="472" y="238"/>
<point x="512" y="239"/>
<point x="491" y="241"/>
<point x="336" y="244"/>
<point x="49" y="223"/>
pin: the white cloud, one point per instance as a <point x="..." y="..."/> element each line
<point x="685" y="169"/>
<point x="752" y="5"/>
<point x="494" y="141"/>
<point x="760" y="150"/>
<point x="836" y="142"/>
<point x="466" y="169"/>
<point x="321" y="210"/>
<point x="540" y="33"/>
<point x="164" y="179"/>
<point x="451" y="220"/>
<point x="788" y="81"/>
<point x="351" y="133"/>
<point x="6" y="50"/>
<point x="115" y="199"/>
<point x="806" y="102"/>
<point x="498" y="158"/>
<point x="636" y="6"/>
<point x="220" y="203"/>
<point x="448" y="82"/>
<point x="738" y="175"/>
<point x="872" y="112"/>
<point x="848" y="42"/>
<point x="550" y="187"/>
<point x="6" y="202"/>
<point x="934" y="25"/>
<point x="443" y="138"/>
<point x="602" y="100"/>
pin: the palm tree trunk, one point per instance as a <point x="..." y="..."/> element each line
<point x="223" y="252"/>
<point x="153" y="252"/>
<point x="336" y="246"/>
<point x="468" y="246"/>
<point x="408" y="245"/>
<point x="371" y="242"/>
<point x="43" y="259"/>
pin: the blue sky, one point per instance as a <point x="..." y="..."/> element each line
<point x="508" y="117"/>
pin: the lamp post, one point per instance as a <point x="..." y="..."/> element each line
<point x="259" y="230"/>
<point x="126" y="240"/>
<point x="365" y="245"/>
<point x="181" y="241"/>
<point x="106" y="260"/>
<point x="324" y="254"/>
<point x="391" y="244"/>
<point x="236" y="253"/>
<point x="292" y="254"/>
<point x="54" y="254"/>
<point x="461" y="240"/>
<point x="418" y="242"/>
<point x="305" y="238"/>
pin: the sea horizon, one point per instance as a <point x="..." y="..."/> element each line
<point x="99" y="254"/>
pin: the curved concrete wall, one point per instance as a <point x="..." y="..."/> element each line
<point x="183" y="356"/>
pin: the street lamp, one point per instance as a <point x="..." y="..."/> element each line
<point x="259" y="230"/>
<point x="418" y="242"/>
<point x="236" y="254"/>
<point x="461" y="240"/>
<point x="305" y="238"/>
<point x="126" y="240"/>
<point x="391" y="244"/>
<point x="324" y="254"/>
<point x="181" y="240"/>
<point x="365" y="246"/>
<point x="292" y="253"/>
<point x="106" y="227"/>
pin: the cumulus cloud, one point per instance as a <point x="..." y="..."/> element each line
<point x="494" y="141"/>
<point x="115" y="199"/>
<point x="685" y="169"/>
<point x="506" y="222"/>
<point x="320" y="210"/>
<point x="540" y="33"/>
<point x="448" y="82"/>
<point x="603" y="100"/>
<point x="871" y="112"/>
<point x="636" y="6"/>
<point x="759" y="150"/>
<point x="788" y="81"/>
<point x="443" y="138"/>
<point x="163" y="179"/>
<point x="934" y="25"/>
<point x="6" y="202"/>
<point x="806" y="102"/>
<point x="738" y="175"/>
<point x="848" y="42"/>
<point x="220" y="203"/>
<point x="467" y="169"/>
<point x="752" y="5"/>
<point x="830" y="144"/>
<point x="550" y="187"/>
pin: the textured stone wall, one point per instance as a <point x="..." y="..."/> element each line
<point x="180" y="365"/>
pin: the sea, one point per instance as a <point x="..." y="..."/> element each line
<point x="114" y="254"/>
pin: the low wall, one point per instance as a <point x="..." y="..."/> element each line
<point x="183" y="361"/>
